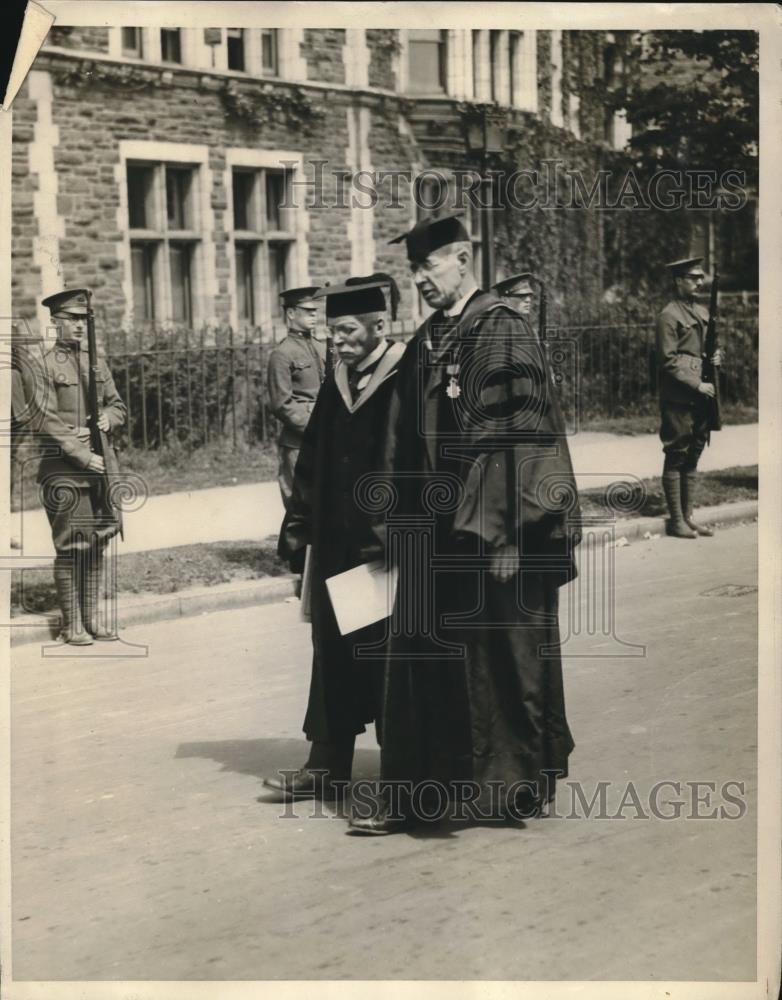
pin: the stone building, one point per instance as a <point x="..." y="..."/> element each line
<point x="188" y="174"/>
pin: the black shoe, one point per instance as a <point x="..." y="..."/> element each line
<point x="305" y="784"/>
<point x="380" y="822"/>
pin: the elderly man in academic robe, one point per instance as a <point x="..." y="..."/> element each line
<point x="482" y="523"/>
<point x="341" y="444"/>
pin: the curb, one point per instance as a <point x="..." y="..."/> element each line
<point x="229" y="596"/>
<point x="162" y="607"/>
<point x="724" y="513"/>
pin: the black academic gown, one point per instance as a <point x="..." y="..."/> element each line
<point x="485" y="465"/>
<point x="342" y="442"/>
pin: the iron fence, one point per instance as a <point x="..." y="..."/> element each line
<point x="190" y="387"/>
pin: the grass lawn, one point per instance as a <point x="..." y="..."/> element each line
<point x="162" y="571"/>
<point x="166" y="571"/>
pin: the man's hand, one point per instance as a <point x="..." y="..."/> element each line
<point x="504" y="563"/>
<point x="103" y="422"/>
<point x="96" y="464"/>
<point x="716" y="358"/>
<point x="707" y="389"/>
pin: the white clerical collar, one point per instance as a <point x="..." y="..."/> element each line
<point x="370" y="359"/>
<point x="458" y="307"/>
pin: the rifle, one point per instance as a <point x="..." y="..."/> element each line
<point x="99" y="442"/>
<point x="542" y="312"/>
<point x="711" y="373"/>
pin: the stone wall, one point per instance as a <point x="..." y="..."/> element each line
<point x="322" y="50"/>
<point x="94" y="116"/>
<point x="382" y="44"/>
<point x="85" y="38"/>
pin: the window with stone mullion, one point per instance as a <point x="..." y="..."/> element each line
<point x="163" y="240"/>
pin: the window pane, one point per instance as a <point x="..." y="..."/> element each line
<point x="269" y="51"/>
<point x="245" y="282"/>
<point x="142" y="257"/>
<point x="426" y="51"/>
<point x="235" y="37"/>
<point x="131" y="42"/>
<point x="244" y="208"/>
<point x="275" y="196"/>
<point x="170" y="45"/>
<point x="278" y="266"/>
<point x="139" y="197"/>
<point x="177" y="198"/>
<point x="179" y="255"/>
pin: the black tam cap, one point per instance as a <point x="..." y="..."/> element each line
<point x="358" y="296"/>
<point x="292" y="297"/>
<point x="678" y="268"/>
<point x="518" y="284"/>
<point x="75" y="301"/>
<point x="429" y="235"/>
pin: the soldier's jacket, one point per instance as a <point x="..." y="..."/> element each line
<point x="681" y="329"/>
<point x="296" y="369"/>
<point x="65" y="408"/>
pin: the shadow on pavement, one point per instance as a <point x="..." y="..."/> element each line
<point x="263" y="758"/>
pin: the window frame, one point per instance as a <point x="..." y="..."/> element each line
<point x="135" y="52"/>
<point x="274" y="69"/>
<point x="241" y="38"/>
<point x="160" y="240"/>
<point x="168" y="34"/>
<point x="442" y="61"/>
<point x="262" y="240"/>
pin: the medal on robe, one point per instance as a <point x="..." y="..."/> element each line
<point x="453" y="389"/>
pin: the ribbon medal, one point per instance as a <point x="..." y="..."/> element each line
<point x="453" y="389"/>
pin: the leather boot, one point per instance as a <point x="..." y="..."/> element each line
<point x="93" y="598"/>
<point x="675" y="525"/>
<point x="66" y="585"/>
<point x="688" y="495"/>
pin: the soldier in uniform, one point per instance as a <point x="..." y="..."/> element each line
<point x="685" y="400"/>
<point x="341" y="444"/>
<point x="69" y="469"/>
<point x="295" y="373"/>
<point x="517" y="291"/>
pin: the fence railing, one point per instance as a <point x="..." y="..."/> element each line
<point x="190" y="387"/>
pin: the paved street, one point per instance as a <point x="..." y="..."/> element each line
<point x="140" y="851"/>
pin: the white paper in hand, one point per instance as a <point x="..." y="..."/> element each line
<point x="362" y="596"/>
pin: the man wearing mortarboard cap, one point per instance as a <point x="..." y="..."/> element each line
<point x="480" y="469"/>
<point x="69" y="467"/>
<point x="685" y="399"/>
<point x="295" y="372"/>
<point x="340" y="445"/>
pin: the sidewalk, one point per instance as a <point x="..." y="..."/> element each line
<point x="254" y="511"/>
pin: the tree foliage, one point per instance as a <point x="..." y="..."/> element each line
<point x="693" y="101"/>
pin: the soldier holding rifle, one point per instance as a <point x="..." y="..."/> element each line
<point x="80" y="409"/>
<point x="688" y="361"/>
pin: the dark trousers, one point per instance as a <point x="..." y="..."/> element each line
<point x="684" y="432"/>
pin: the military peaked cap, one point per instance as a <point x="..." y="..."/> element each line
<point x="679" y="268"/>
<point x="292" y="297"/>
<point x="518" y="284"/>
<point x="429" y="235"/>
<point x="358" y="296"/>
<point x="75" y="301"/>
